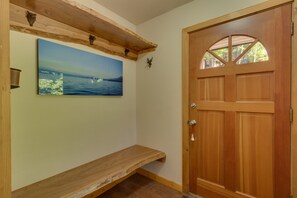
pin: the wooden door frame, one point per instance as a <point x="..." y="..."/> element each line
<point x="185" y="83"/>
<point x="294" y="106"/>
<point x="5" y="143"/>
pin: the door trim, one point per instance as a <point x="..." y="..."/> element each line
<point x="5" y="140"/>
<point x="185" y="82"/>
<point x="294" y="106"/>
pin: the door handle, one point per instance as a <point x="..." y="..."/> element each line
<point x="192" y="122"/>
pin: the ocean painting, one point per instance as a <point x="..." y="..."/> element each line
<point x="64" y="70"/>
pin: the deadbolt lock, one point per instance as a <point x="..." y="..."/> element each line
<point x="193" y="105"/>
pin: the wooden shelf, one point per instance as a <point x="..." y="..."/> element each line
<point x="69" y="21"/>
<point x="91" y="177"/>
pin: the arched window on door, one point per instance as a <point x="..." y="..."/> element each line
<point x="239" y="49"/>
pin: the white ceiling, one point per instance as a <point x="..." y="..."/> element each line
<point x="139" y="11"/>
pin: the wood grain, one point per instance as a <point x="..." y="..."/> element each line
<point x="230" y="88"/>
<point x="211" y="89"/>
<point x="210" y="154"/>
<point x="255" y="87"/>
<point x="255" y="154"/>
<point x="90" y="177"/>
<point x="229" y="150"/>
<point x="5" y="142"/>
<point x="78" y="16"/>
<point x="207" y="189"/>
<point x="185" y="111"/>
<point x="237" y="69"/>
<point x="266" y="107"/>
<point x="282" y="137"/>
<point x="294" y="105"/>
<point x="108" y="186"/>
<point x="265" y="67"/>
<point x="262" y="94"/>
<point x="49" y="28"/>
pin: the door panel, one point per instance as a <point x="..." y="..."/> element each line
<point x="210" y="157"/>
<point x="240" y="80"/>
<point x="211" y="89"/>
<point x="254" y="153"/>
<point x="255" y="87"/>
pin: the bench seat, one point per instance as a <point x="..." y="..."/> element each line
<point x="91" y="177"/>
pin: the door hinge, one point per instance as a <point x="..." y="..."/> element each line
<point x="292" y="28"/>
<point x="291" y="114"/>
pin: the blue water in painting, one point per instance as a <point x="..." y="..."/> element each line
<point x="87" y="86"/>
<point x="81" y="85"/>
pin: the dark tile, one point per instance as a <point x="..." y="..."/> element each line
<point x="138" y="186"/>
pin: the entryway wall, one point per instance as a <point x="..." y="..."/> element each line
<point x="53" y="134"/>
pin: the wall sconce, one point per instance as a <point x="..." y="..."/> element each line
<point x="14" y="78"/>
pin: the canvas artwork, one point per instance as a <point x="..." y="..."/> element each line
<point x="64" y="70"/>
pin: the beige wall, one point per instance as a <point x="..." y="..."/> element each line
<point x="105" y="12"/>
<point x="159" y="88"/>
<point x="51" y="134"/>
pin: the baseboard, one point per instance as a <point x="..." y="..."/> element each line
<point x="159" y="179"/>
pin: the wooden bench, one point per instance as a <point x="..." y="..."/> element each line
<point x="93" y="178"/>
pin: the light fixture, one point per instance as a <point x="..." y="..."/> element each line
<point x="14" y="78"/>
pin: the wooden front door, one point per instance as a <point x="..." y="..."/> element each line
<point x="240" y="99"/>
